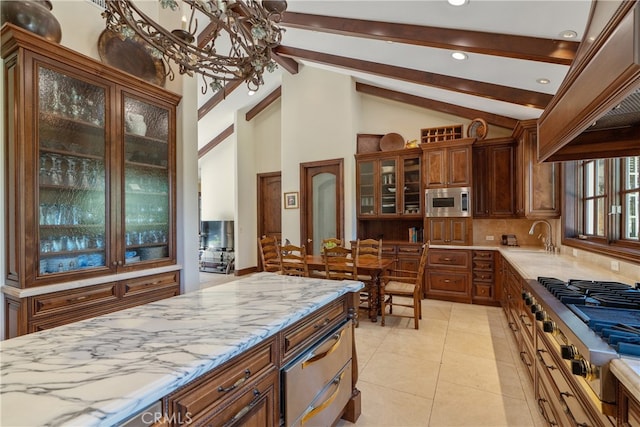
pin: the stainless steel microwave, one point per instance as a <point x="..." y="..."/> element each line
<point x="454" y="202"/>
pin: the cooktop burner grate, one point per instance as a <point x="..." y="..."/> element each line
<point x="597" y="293"/>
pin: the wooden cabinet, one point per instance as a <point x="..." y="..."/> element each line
<point x="484" y="283"/>
<point x="448" y="164"/>
<point x="48" y="310"/>
<point x="389" y="184"/>
<point x="244" y="391"/>
<point x="90" y="161"/>
<point x="537" y="184"/>
<point x="449" y="231"/>
<point x="449" y="274"/>
<point x="494" y="179"/>
<point x="628" y="407"/>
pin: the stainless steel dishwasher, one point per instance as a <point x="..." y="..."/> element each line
<point x="317" y="384"/>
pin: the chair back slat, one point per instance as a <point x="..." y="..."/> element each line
<point x="293" y="261"/>
<point x="269" y="253"/>
<point x="339" y="264"/>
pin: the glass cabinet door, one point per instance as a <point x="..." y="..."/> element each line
<point x="388" y="187"/>
<point x="412" y="194"/>
<point x="71" y="196"/>
<point x="366" y="183"/>
<point x="146" y="181"/>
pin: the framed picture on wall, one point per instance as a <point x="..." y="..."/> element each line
<point x="291" y="200"/>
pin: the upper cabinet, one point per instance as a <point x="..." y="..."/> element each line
<point x="594" y="113"/>
<point x="537" y="184"/>
<point x="389" y="184"/>
<point x="90" y="161"/>
<point x="448" y="163"/>
<point x="494" y="178"/>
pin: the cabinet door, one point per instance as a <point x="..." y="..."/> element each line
<point x="388" y="187"/>
<point x="501" y="181"/>
<point x="366" y="187"/>
<point x="147" y="181"/>
<point x="459" y="231"/>
<point x="480" y="189"/>
<point x="70" y="202"/>
<point x="459" y="166"/>
<point x="435" y="176"/>
<point x="411" y="188"/>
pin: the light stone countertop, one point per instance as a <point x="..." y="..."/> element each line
<point x="100" y="371"/>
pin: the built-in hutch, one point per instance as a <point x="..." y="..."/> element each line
<point x="90" y="186"/>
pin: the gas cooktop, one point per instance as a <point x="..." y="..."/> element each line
<point x="610" y="309"/>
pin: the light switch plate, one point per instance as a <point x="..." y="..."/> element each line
<point x="615" y="265"/>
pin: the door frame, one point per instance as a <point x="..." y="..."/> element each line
<point x="304" y="194"/>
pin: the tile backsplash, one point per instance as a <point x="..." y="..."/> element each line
<point x="495" y="228"/>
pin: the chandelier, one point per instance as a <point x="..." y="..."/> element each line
<point x="239" y="36"/>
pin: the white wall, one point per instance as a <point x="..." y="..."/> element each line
<point x="217" y="182"/>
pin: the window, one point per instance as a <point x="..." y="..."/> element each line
<point x="602" y="204"/>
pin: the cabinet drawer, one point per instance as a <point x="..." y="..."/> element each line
<point x="483" y="255"/>
<point x="483" y="276"/>
<point x="303" y="332"/>
<point x="314" y="370"/>
<point x="483" y="290"/>
<point x="147" y="284"/>
<point x="448" y="258"/>
<point x="201" y="396"/>
<point x="407" y="251"/>
<point x="388" y="251"/>
<point x="448" y="282"/>
<point x="482" y="265"/>
<point x="72" y="300"/>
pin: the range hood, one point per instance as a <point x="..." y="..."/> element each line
<point x="596" y="111"/>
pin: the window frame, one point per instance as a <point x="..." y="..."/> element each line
<point x="611" y="244"/>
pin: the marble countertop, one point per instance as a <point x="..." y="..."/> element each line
<point x="99" y="371"/>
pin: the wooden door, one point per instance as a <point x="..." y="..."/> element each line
<point x="269" y="207"/>
<point x="321" y="202"/>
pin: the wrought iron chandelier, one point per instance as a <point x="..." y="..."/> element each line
<point x="249" y="30"/>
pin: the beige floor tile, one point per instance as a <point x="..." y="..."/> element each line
<point x="383" y="408"/>
<point x="420" y="344"/>
<point x="480" y="345"/>
<point x="482" y="374"/>
<point x="456" y="405"/>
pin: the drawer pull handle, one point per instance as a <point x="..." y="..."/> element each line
<point x="242" y="412"/>
<point x="323" y="324"/>
<point x="315" y="357"/>
<point x="541" y="359"/>
<point x="313" y="411"/>
<point x="446" y="259"/>
<point x="541" y="403"/>
<point x="523" y="357"/>
<point x="247" y="374"/>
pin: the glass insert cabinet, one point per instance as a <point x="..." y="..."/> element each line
<point x="90" y="171"/>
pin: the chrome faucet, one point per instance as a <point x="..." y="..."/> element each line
<point x="548" y="243"/>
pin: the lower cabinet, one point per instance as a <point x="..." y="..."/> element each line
<point x="628" y="407"/>
<point x="485" y="287"/>
<point x="449" y="274"/>
<point x="39" y="312"/>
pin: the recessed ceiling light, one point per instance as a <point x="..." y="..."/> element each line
<point x="568" y="34"/>
<point x="457" y="2"/>
<point x="460" y="56"/>
<point x="251" y="92"/>
<point x="543" y="81"/>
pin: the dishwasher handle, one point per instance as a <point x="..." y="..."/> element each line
<point x="313" y="357"/>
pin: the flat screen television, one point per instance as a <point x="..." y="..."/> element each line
<point x="216" y="235"/>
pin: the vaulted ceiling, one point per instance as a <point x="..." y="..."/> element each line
<point x="401" y="50"/>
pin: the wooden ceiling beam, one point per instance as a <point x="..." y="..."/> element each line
<point x="289" y="64"/>
<point x="470" y="87"/>
<point x="268" y="100"/>
<point x="218" y="98"/>
<point x="506" y="45"/>
<point x="215" y="141"/>
<point x="442" y="107"/>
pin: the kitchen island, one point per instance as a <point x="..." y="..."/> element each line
<point x="102" y="371"/>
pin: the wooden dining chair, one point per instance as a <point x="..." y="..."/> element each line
<point x="339" y="264"/>
<point x="403" y="288"/>
<point x="269" y="253"/>
<point x="293" y="261"/>
<point x="331" y="242"/>
<point x="367" y="249"/>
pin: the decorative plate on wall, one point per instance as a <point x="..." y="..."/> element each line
<point x="477" y="129"/>
<point x="392" y="141"/>
<point x="132" y="56"/>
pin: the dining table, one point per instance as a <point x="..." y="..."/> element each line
<point x="370" y="267"/>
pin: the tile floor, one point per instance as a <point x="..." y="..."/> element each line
<point x="461" y="368"/>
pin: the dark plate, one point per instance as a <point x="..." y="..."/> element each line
<point x="132" y="56"/>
